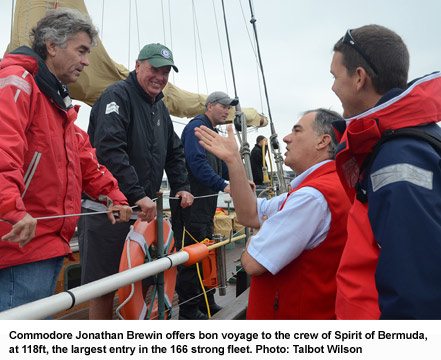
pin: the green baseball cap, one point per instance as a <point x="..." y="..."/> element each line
<point x="157" y="55"/>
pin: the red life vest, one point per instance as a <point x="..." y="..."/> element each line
<point x="357" y="296"/>
<point x="306" y="288"/>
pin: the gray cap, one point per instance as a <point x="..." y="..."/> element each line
<point x="221" y="98"/>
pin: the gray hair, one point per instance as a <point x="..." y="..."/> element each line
<point x="323" y="125"/>
<point x="59" y="26"/>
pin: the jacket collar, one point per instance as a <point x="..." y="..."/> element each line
<point x="44" y="78"/>
<point x="417" y="105"/>
<point x="207" y="122"/>
<point x="392" y="97"/>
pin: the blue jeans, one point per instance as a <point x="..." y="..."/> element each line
<point x="21" y="284"/>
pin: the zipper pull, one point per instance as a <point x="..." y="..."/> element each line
<point x="276" y="301"/>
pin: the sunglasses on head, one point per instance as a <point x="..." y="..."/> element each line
<point x="348" y="39"/>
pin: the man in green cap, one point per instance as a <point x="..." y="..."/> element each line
<point x="133" y="134"/>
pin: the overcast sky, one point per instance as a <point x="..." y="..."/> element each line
<point x="296" y="40"/>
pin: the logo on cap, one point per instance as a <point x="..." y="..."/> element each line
<point x="165" y="53"/>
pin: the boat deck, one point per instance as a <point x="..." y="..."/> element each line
<point x="232" y="255"/>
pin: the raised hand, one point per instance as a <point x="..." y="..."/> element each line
<point x="225" y="148"/>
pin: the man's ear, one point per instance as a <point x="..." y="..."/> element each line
<point x="360" y="77"/>
<point x="51" y="48"/>
<point x="324" y="141"/>
<point x="137" y="65"/>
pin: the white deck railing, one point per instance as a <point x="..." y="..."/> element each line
<point x="43" y="308"/>
<point x="51" y="305"/>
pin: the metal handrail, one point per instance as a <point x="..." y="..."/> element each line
<point x="51" y="305"/>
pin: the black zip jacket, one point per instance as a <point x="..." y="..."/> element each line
<point x="134" y="138"/>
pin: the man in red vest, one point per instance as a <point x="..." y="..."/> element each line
<point x="388" y="161"/>
<point x="294" y="257"/>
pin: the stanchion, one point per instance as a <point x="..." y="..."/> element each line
<point x="160" y="237"/>
<point x="221" y="266"/>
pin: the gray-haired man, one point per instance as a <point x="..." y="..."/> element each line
<point x="45" y="160"/>
<point x="294" y="256"/>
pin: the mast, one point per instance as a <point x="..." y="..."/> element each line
<point x="275" y="148"/>
<point x="240" y="122"/>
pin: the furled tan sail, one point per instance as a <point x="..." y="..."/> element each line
<point x="103" y="71"/>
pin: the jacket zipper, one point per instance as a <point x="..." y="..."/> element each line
<point x="276" y="304"/>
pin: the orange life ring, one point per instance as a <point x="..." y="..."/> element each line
<point x="136" y="248"/>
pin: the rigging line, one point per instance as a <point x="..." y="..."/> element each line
<point x="229" y="50"/>
<point x="220" y="46"/>
<point x="12" y="22"/>
<point x="130" y="13"/>
<point x="47" y="5"/>
<point x="255" y="54"/>
<point x="253" y="22"/>
<point x="208" y="290"/>
<point x="274" y="142"/>
<point x="163" y="22"/>
<point x="27" y="22"/>
<point x="196" y="197"/>
<point x="224" y="132"/>
<point x="200" y="48"/>
<point x="180" y="123"/>
<point x="171" y="36"/>
<point x="108" y="211"/>
<point x="137" y="25"/>
<point x="72" y="215"/>
<point x="195" y="49"/>
<point x="102" y="22"/>
<point x="233" y="274"/>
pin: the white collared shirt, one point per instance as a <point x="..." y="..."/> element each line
<point x="302" y="225"/>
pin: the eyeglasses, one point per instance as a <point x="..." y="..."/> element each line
<point x="348" y="39"/>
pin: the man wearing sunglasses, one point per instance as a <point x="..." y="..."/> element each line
<point x="388" y="161"/>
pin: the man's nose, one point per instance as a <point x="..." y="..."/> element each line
<point x="85" y="60"/>
<point x="162" y="76"/>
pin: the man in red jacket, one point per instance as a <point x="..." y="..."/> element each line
<point x="388" y="161"/>
<point x="46" y="161"/>
<point x="294" y="256"/>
